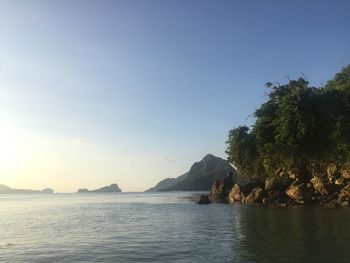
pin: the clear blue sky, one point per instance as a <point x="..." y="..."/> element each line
<point x="95" y="92"/>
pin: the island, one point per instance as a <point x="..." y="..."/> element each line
<point x="113" y="188"/>
<point x="8" y="190"/>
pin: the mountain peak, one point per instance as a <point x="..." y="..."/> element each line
<point x="210" y="156"/>
<point x="200" y="177"/>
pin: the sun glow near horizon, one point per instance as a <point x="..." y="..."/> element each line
<point x="32" y="159"/>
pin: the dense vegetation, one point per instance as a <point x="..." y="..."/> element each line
<point x="300" y="129"/>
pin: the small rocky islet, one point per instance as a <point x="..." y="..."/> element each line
<point x="113" y="188"/>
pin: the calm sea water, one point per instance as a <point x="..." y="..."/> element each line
<point x="165" y="227"/>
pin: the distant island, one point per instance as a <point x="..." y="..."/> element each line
<point x="8" y="190"/>
<point x="201" y="176"/>
<point x="113" y="188"/>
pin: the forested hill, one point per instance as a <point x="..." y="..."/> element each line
<point x="200" y="177"/>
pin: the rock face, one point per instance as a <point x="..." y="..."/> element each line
<point x="113" y="188"/>
<point x="235" y="194"/>
<point x="318" y="186"/>
<point x="8" y="190"/>
<point x="284" y="190"/>
<point x="201" y="176"/>
<point x="221" y="189"/>
<point x="230" y="189"/>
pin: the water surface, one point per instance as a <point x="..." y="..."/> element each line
<point x="165" y="227"/>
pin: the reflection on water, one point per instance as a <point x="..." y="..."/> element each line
<point x="165" y="227"/>
<point x="293" y="235"/>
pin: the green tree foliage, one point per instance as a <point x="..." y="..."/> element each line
<point x="297" y="128"/>
<point x="242" y="152"/>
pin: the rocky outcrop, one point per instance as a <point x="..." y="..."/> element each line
<point x="221" y="189"/>
<point x="286" y="190"/>
<point x="235" y="194"/>
<point x="230" y="190"/>
<point x="204" y="200"/>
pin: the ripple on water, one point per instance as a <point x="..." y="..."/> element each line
<point x="166" y="227"/>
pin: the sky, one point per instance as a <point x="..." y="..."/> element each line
<point x="135" y="91"/>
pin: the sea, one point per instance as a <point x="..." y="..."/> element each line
<point x="166" y="227"/>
